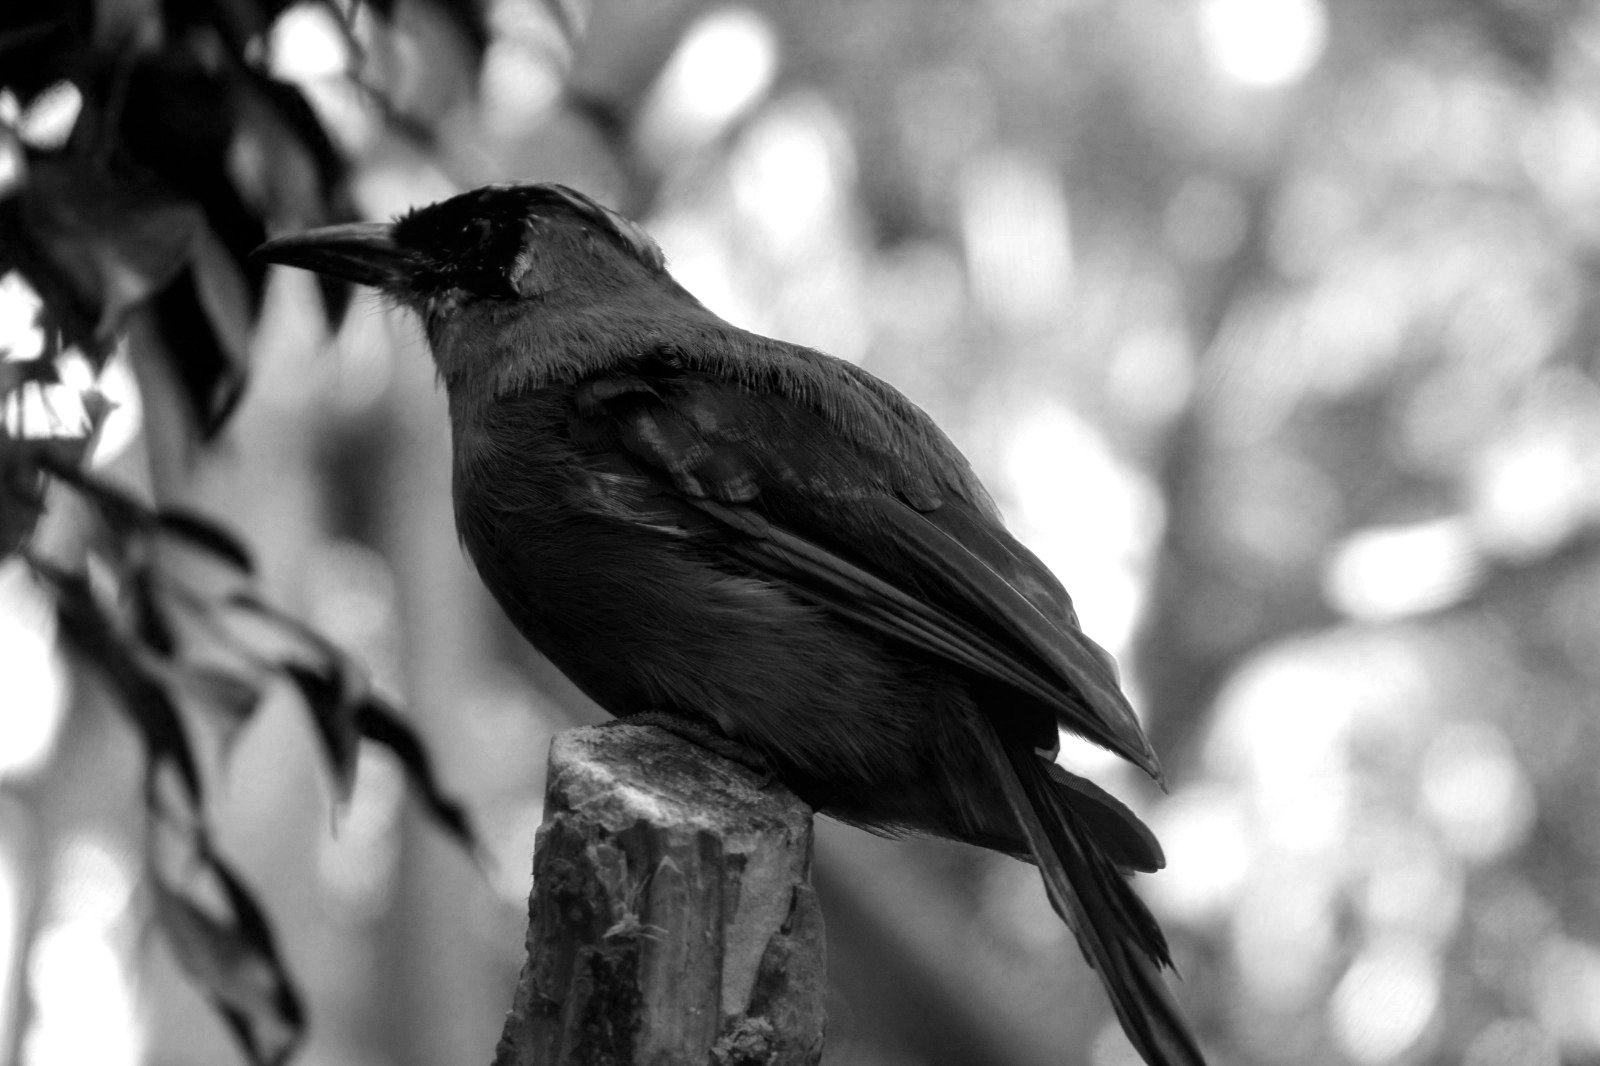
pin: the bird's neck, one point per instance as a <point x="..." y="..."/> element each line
<point x="498" y="348"/>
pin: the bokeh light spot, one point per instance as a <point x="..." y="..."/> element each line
<point x="1206" y="834"/>
<point x="1414" y="886"/>
<point x="1385" y="1000"/>
<point x="1283" y="934"/>
<point x="1512" y="1042"/>
<point x="1264" y="43"/>
<point x="125" y="418"/>
<point x="1018" y="239"/>
<point x="1475" y="790"/>
<point x="790" y="173"/>
<point x="1387" y="572"/>
<point x="307" y="44"/>
<point x="1569" y="996"/>
<point x="20" y="336"/>
<point x="1058" y="469"/>
<point x="34" y="683"/>
<point x="75" y="967"/>
<point x="1531" y="491"/>
<point x="48" y="121"/>
<point x="722" y="68"/>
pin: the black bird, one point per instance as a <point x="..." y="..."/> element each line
<point x="709" y="526"/>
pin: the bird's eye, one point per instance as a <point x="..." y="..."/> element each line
<point x="476" y="232"/>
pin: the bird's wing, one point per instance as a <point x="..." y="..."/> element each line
<point x="854" y="504"/>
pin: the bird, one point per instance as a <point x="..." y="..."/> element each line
<point x="770" y="547"/>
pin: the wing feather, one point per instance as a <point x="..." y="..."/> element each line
<point x="865" y="527"/>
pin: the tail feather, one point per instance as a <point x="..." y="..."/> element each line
<point x="1116" y="932"/>
<point x="1126" y="840"/>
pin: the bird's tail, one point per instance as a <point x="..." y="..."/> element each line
<point x="1117" y="934"/>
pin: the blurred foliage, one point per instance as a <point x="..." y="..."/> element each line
<point x="147" y="148"/>
<point x="1271" y="324"/>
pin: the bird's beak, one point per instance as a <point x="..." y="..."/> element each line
<point x="362" y="252"/>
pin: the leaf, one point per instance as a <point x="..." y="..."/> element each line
<point x="289" y="106"/>
<point x="181" y="122"/>
<point x="204" y="533"/>
<point x="21" y="495"/>
<point x="336" y="297"/>
<point x="342" y="715"/>
<point x="237" y="22"/>
<point x="120" y="511"/>
<point x="113" y="242"/>
<point x="15" y="372"/>
<point x="87" y="631"/>
<point x="206" y="365"/>
<point x="150" y="621"/>
<point x="234" y="958"/>
<point x="22" y="465"/>
<point x="467" y="17"/>
<point x="308" y="638"/>
<point x="568" y="21"/>
<point x="226" y="299"/>
<point x="127" y="515"/>
<point x="227" y="698"/>
<point x="379" y="723"/>
<point x="325" y="689"/>
<point x="294" y="167"/>
<point x="37" y="45"/>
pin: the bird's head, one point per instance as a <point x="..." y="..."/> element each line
<point x="498" y="243"/>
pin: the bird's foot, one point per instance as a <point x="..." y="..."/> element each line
<point x="705" y="735"/>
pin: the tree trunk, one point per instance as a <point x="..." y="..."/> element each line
<point x="672" y="919"/>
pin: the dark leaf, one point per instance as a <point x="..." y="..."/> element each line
<point x="297" y="166"/>
<point x="226" y="297"/>
<point x="111" y="242"/>
<point x="120" y="511"/>
<point x="208" y="363"/>
<point x="126" y="515"/>
<point x="88" y="633"/>
<point x="21" y="492"/>
<point x="320" y="646"/>
<point x="290" y="107"/>
<point x="326" y="691"/>
<point x="180" y="122"/>
<point x="238" y="229"/>
<point x="63" y="317"/>
<point x="178" y="118"/>
<point x="236" y="22"/>
<point x="336" y="297"/>
<point x="567" y="21"/>
<point x="379" y="723"/>
<point x="205" y="534"/>
<point x="227" y="698"/>
<point x="10" y="227"/>
<point x="467" y="17"/>
<point x="28" y="371"/>
<point x="234" y="958"/>
<point x="342" y="714"/>
<point x="150" y="622"/>
<point x="97" y="406"/>
<point x="39" y="42"/>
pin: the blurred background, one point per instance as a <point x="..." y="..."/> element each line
<point x="1270" y="323"/>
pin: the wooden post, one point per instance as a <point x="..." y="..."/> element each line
<point x="672" y="920"/>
